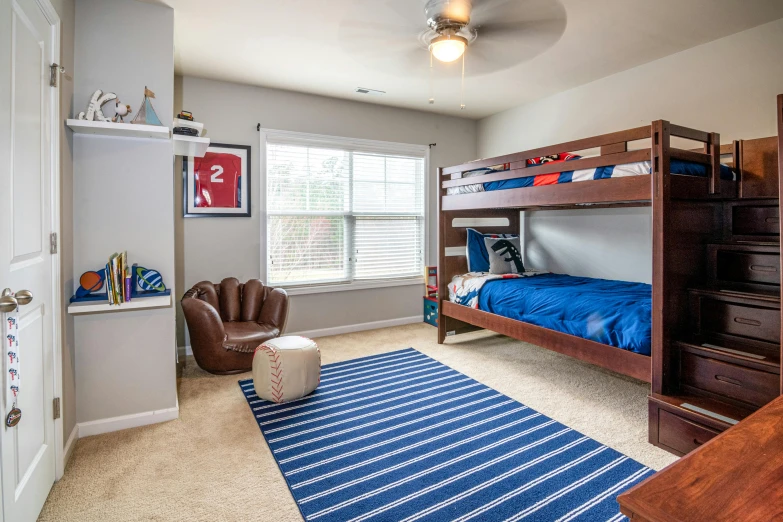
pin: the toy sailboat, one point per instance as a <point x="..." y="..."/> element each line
<point x="146" y="114"/>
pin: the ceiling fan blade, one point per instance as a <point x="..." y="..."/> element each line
<point x="547" y="31"/>
<point x="481" y="7"/>
<point x="515" y="11"/>
<point x="406" y="11"/>
<point x="505" y="47"/>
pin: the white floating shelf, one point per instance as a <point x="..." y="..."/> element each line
<point x="127" y="130"/>
<point x="190" y="145"/>
<point x="140" y="303"/>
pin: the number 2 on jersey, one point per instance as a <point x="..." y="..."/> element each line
<point x="218" y="170"/>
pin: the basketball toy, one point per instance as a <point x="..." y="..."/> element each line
<point x="149" y="280"/>
<point x="90" y="282"/>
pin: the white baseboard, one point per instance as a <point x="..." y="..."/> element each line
<point x="348" y="328"/>
<point x="70" y="444"/>
<point x="359" y="327"/>
<point x="124" y="422"/>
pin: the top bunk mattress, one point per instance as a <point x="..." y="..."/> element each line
<point x="616" y="313"/>
<point x="641" y="168"/>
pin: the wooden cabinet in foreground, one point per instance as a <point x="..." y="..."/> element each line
<point x="735" y="476"/>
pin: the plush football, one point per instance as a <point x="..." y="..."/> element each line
<point x="149" y="279"/>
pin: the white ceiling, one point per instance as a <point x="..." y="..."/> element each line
<point x="330" y="47"/>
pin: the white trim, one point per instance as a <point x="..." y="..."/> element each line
<point x="56" y="262"/>
<point x="359" y="327"/>
<point x="70" y="444"/>
<point x="425" y="247"/>
<point x="349" y="328"/>
<point x="97" y="427"/>
<point x="343" y="142"/>
<point x="356" y="285"/>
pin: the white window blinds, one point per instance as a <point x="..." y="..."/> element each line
<point x="341" y="211"/>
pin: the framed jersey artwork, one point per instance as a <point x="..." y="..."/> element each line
<point x="218" y="184"/>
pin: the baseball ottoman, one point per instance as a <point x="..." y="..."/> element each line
<point x="286" y="368"/>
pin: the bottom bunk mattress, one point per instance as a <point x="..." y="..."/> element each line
<point x="616" y="313"/>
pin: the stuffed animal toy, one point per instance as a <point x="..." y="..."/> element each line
<point x="121" y="110"/>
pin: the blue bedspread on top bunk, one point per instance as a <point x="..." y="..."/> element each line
<point x="616" y="313"/>
<point x="686" y="168"/>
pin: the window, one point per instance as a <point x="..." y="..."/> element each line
<point x="343" y="211"/>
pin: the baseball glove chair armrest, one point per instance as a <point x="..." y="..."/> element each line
<point x="228" y="321"/>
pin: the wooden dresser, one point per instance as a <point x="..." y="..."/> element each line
<point x="737" y="476"/>
<point x="724" y="361"/>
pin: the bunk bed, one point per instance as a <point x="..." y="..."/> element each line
<point x="684" y="187"/>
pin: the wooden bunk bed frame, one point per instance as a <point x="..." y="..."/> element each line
<point x="685" y="210"/>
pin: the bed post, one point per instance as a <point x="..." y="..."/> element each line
<point x="713" y="149"/>
<point x="442" y="282"/>
<point x="661" y="204"/>
<point x="780" y="189"/>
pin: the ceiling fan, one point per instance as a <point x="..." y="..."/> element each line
<point x="404" y="37"/>
<point x="450" y="33"/>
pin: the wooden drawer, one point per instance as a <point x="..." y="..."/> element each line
<point x="742" y="320"/>
<point x="748" y="267"/>
<point x="681" y="434"/>
<point x="755" y="220"/>
<point x="728" y="380"/>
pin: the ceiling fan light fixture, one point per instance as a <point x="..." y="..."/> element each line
<point x="448" y="47"/>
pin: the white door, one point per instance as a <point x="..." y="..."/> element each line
<point x="26" y="133"/>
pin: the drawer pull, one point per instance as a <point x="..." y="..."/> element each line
<point x="762" y="268"/>
<point x="697" y="442"/>
<point x="728" y="380"/>
<point x="773" y="220"/>
<point x="749" y="322"/>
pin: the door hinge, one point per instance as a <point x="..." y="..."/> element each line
<point x="53" y="70"/>
<point x="56" y="408"/>
<point x="53" y="243"/>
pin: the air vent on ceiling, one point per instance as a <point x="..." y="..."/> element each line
<point x="371" y="92"/>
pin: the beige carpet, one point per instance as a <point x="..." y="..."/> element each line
<point x="213" y="464"/>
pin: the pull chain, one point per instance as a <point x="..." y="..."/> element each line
<point x="432" y="88"/>
<point x="462" y="88"/>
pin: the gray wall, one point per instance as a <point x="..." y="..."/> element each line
<point x="65" y="9"/>
<point x="214" y="248"/>
<point x="123" y="200"/>
<point x="726" y="86"/>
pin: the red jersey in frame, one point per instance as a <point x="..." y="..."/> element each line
<point x="218" y="180"/>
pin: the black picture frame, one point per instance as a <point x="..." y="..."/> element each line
<point x="189" y="208"/>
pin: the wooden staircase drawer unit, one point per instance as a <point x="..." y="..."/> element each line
<point x="748" y="267"/>
<point x="728" y="380"/>
<point x="724" y="317"/>
<point x="681" y="435"/>
<point x="755" y="220"/>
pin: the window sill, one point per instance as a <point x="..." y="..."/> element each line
<point x="347" y="287"/>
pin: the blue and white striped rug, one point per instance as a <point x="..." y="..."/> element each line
<point x="400" y="436"/>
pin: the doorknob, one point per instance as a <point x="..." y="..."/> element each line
<point x="24" y="297"/>
<point x="8" y="302"/>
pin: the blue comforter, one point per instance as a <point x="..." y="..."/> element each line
<point x="616" y="313"/>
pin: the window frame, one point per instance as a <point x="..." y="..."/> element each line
<point x="352" y="145"/>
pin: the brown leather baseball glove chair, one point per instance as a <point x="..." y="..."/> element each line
<point x="228" y="321"/>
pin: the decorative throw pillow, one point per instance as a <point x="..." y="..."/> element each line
<point x="505" y="255"/>
<point x="478" y="258"/>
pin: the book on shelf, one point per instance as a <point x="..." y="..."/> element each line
<point x="117" y="274"/>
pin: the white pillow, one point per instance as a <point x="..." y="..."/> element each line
<point x="505" y="255"/>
